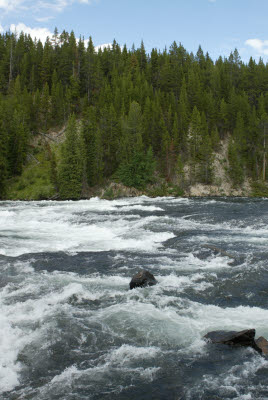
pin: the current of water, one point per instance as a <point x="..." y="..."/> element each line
<point x="71" y="329"/>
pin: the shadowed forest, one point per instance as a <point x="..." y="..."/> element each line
<point x="127" y="115"/>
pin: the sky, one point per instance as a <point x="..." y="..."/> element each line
<point x="219" y="26"/>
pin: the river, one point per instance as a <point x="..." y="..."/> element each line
<point x="71" y="329"/>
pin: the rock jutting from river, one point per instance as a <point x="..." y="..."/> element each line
<point x="142" y="279"/>
<point x="244" y="338"/>
<point x="262" y="343"/>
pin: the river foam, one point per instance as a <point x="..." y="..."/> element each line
<point x="71" y="328"/>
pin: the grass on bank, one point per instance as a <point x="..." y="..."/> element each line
<point x="34" y="182"/>
<point x="259" y="189"/>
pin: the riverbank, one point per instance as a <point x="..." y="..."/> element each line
<point x="43" y="190"/>
<point x="37" y="181"/>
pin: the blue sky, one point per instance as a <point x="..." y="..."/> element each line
<point x="219" y="26"/>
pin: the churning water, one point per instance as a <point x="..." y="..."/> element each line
<point x="71" y="329"/>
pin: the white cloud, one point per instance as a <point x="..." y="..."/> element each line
<point x="260" y="46"/>
<point x="43" y="33"/>
<point x="1" y="29"/>
<point x="56" y="6"/>
<point x="44" y="19"/>
<point x="103" y="46"/>
<point x="10" y="5"/>
<point x="38" y="33"/>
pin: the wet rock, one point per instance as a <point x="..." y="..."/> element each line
<point x="73" y="299"/>
<point x="219" y="251"/>
<point x="141" y="279"/>
<point x="262" y="343"/>
<point x="234" y="338"/>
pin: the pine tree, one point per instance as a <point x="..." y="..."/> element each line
<point x="180" y="171"/>
<point x="138" y="170"/>
<point x="215" y="138"/>
<point x="46" y="68"/>
<point x="110" y="130"/>
<point x="73" y="95"/>
<point x="194" y="141"/>
<point x="166" y="155"/>
<point x="175" y="135"/>
<point x="3" y="154"/>
<point x="70" y="168"/>
<point x="206" y="161"/>
<point x="235" y="166"/>
<point x="263" y="117"/>
<point x="18" y="143"/>
<point x="181" y="105"/>
<point x="147" y="123"/>
<point x="183" y="115"/>
<point x="45" y="107"/>
<point x="90" y="143"/>
<point x="53" y="171"/>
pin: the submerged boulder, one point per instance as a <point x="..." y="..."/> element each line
<point x="142" y="279"/>
<point x="234" y="338"/>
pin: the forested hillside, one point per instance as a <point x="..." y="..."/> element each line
<point x="129" y="115"/>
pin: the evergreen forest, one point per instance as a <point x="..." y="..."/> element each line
<point x="126" y="115"/>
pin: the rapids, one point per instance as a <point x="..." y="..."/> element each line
<point x="71" y="329"/>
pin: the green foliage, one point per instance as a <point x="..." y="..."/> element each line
<point x="235" y="165"/>
<point x="53" y="171"/>
<point x="34" y="183"/>
<point x="181" y="105"/>
<point x="138" y="171"/>
<point x="259" y="189"/>
<point x="70" y="167"/>
<point x="160" y="190"/>
<point x="3" y="156"/>
<point x="92" y="147"/>
<point x="108" y="194"/>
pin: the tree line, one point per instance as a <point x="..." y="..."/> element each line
<point x="130" y="113"/>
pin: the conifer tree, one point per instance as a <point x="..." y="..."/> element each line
<point x="110" y="130"/>
<point x="205" y="157"/>
<point x="166" y="155"/>
<point x="45" y="106"/>
<point x="235" y="166"/>
<point x="263" y="117"/>
<point x="70" y="168"/>
<point x="46" y="68"/>
<point x="215" y="138"/>
<point x="73" y="95"/>
<point x="183" y="115"/>
<point x="175" y="135"/>
<point x="53" y="171"/>
<point x="18" y="143"/>
<point x="3" y="154"/>
<point x="91" y="145"/>
<point x="194" y="141"/>
<point x="147" y="123"/>
<point x="180" y="171"/>
<point x="182" y="106"/>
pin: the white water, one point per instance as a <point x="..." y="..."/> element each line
<point x="69" y="226"/>
<point x="153" y="322"/>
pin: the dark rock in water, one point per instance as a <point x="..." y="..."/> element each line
<point x="73" y="299"/>
<point x="244" y="338"/>
<point x="262" y="343"/>
<point x="219" y="251"/>
<point x="233" y="338"/>
<point x="142" y="279"/>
